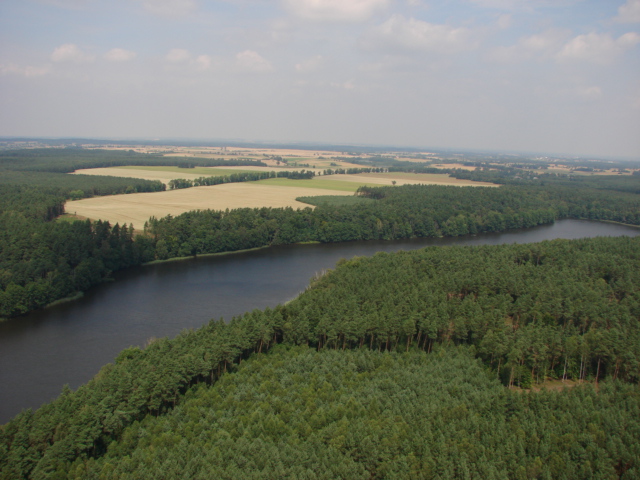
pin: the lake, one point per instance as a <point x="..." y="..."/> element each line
<point x="68" y="343"/>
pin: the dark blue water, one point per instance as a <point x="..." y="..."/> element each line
<point x="68" y="344"/>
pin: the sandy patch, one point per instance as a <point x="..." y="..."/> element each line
<point x="136" y="208"/>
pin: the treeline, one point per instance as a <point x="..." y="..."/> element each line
<point x="42" y="262"/>
<point x="560" y="309"/>
<point x="553" y="310"/>
<point x="519" y="175"/>
<point x="83" y="186"/>
<point x="353" y="171"/>
<point x="390" y="213"/>
<point x="239" y="177"/>
<point x="256" y="176"/>
<point x="366" y="415"/>
<point x="397" y="212"/>
<point x="32" y="203"/>
<point x="67" y="160"/>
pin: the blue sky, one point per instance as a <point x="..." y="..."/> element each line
<point x="557" y="76"/>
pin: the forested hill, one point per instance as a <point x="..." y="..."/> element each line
<point x="387" y="367"/>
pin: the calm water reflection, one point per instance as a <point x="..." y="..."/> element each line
<point x="69" y="343"/>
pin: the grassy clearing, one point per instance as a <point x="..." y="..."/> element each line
<point x="69" y="218"/>
<point x="334" y="200"/>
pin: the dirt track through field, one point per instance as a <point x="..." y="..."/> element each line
<point x="136" y="208"/>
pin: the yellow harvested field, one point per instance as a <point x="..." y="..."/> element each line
<point x="454" y="165"/>
<point x="251" y="168"/>
<point x="163" y="176"/>
<point x="136" y="208"/>
<point x="361" y="178"/>
<point x="406" y="179"/>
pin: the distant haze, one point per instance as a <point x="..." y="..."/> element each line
<point x="559" y="76"/>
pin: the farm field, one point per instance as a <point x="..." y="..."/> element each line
<point x="136" y="208"/>
<point x="274" y="192"/>
<point x="404" y="178"/>
<point x="164" y="174"/>
<point x="328" y="183"/>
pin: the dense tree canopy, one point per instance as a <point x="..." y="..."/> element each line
<point x="367" y="415"/>
<point x="66" y="160"/>
<point x="361" y="398"/>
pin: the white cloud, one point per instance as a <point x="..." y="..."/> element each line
<point x="169" y="8"/>
<point x="178" y="55"/>
<point x="499" y="4"/>
<point x="69" y="4"/>
<point x="629" y="12"/>
<point x="335" y="10"/>
<point x="597" y="48"/>
<point x="250" y="61"/>
<point x="400" y="33"/>
<point x="589" y="93"/>
<point x="310" y="65"/>
<point x="629" y="39"/>
<point x="542" y="45"/>
<point x="13" y="69"/>
<point x="184" y="61"/>
<point x="119" y="55"/>
<point x="504" y="21"/>
<point x="542" y="42"/>
<point x="348" y="85"/>
<point x="70" y="52"/>
<point x="522" y="5"/>
<point x="203" y="62"/>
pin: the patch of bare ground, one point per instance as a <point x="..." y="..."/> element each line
<point x="551" y="386"/>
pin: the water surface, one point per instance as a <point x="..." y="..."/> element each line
<point x="68" y="343"/>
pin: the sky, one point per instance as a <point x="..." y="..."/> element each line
<point x="554" y="76"/>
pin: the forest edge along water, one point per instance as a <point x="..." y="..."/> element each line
<point x="69" y="342"/>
